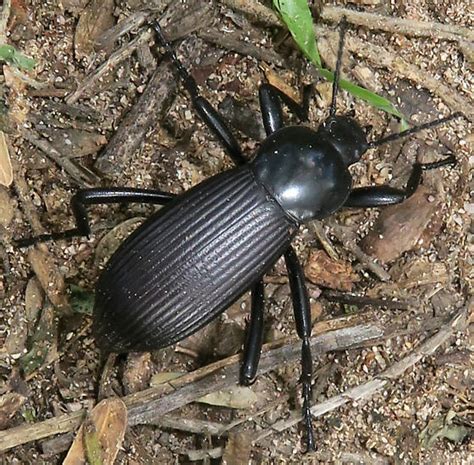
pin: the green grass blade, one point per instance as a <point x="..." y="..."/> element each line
<point x="360" y="92"/>
<point x="297" y="17"/>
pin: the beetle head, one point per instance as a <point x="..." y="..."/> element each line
<point x="346" y="136"/>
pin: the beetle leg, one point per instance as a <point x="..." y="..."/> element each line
<point x="205" y="110"/>
<point x="270" y="104"/>
<point x="302" y="312"/>
<point x="85" y="197"/>
<point x="254" y="338"/>
<point x="377" y="196"/>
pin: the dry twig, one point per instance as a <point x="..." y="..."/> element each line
<point x="407" y="27"/>
<point x="380" y="56"/>
<point x="368" y="389"/>
<point x="116" y="58"/>
<point x="79" y="174"/>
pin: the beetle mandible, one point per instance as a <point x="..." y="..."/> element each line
<point x="193" y="258"/>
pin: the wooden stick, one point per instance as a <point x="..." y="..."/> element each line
<point x="108" y="65"/>
<point x="147" y="406"/>
<point x="382" y="57"/>
<point x="4" y="15"/>
<point x="373" y="21"/>
<point x="234" y="41"/>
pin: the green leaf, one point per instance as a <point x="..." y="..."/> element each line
<point x="12" y="56"/>
<point x="296" y="15"/>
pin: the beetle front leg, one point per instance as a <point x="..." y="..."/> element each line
<point x="97" y="196"/>
<point x="302" y="312"/>
<point x="271" y="99"/>
<point x="377" y="196"/>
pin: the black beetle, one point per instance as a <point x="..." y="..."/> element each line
<point x="187" y="263"/>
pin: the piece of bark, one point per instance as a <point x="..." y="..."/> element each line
<point x="399" y="228"/>
<point x="50" y="278"/>
<point x="324" y="271"/>
<point x="6" y="170"/>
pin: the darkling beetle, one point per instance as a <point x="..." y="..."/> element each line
<point x="193" y="258"/>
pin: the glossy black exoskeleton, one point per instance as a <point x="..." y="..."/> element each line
<point x="187" y="263"/>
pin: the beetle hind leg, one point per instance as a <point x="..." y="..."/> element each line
<point x="302" y="313"/>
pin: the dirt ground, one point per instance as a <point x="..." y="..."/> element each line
<point x="402" y="278"/>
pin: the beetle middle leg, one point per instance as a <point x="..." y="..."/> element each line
<point x="98" y="196"/>
<point x="271" y="100"/>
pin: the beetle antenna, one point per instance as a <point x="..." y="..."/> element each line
<point x="337" y="72"/>
<point x="413" y="130"/>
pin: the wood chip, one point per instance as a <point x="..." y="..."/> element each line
<point x="280" y="83"/>
<point x="324" y="271"/>
<point x="137" y="372"/>
<point x="9" y="405"/>
<point x="238" y="449"/>
<point x="399" y="228"/>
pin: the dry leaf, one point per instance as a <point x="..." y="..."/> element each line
<point x="106" y="424"/>
<point x="42" y="343"/>
<point x="9" y="405"/>
<point x="6" y="170"/>
<point x="164" y="377"/>
<point x="74" y="142"/>
<point x="238" y="397"/>
<point x="94" y="21"/>
<point x="109" y="243"/>
<point x="324" y="271"/>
